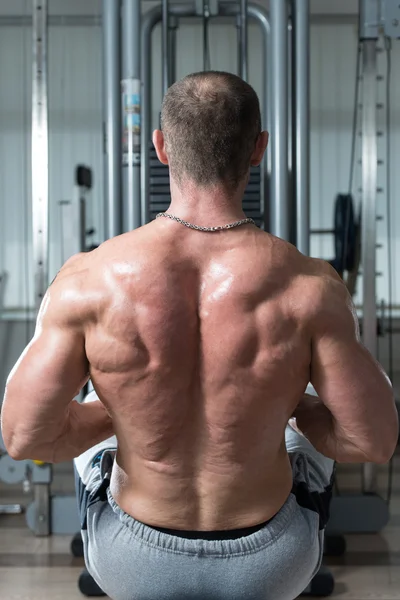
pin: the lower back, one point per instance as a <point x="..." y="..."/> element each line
<point x="202" y="500"/>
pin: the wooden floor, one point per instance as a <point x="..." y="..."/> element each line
<point x="43" y="568"/>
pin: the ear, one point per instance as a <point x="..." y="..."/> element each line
<point x="159" y="145"/>
<point x="261" y="146"/>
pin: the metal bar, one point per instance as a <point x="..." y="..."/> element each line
<point x="150" y="20"/>
<point x="112" y="117"/>
<point x="301" y="39"/>
<point x="369" y="19"/>
<point x="96" y="20"/>
<point x="42" y="512"/>
<point x="259" y="14"/>
<point x="243" y="40"/>
<point x="206" y="35"/>
<point x="182" y="11"/>
<point x="165" y="47"/>
<point x="291" y="136"/>
<point x="131" y="109"/>
<point x="40" y="193"/>
<point x="368" y="231"/>
<point x="10" y="509"/>
<point x="172" y="28"/>
<point x="238" y="31"/>
<point x="279" y="126"/>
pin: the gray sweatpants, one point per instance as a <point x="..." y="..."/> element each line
<point x="132" y="561"/>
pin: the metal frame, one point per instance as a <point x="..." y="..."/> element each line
<point x="131" y="109"/>
<point x="243" y="40"/>
<point x="173" y="26"/>
<point x="279" y="17"/>
<point x="150" y="20"/>
<point x="165" y="46"/>
<point x="96" y="20"/>
<point x="112" y="118"/>
<point x="366" y="512"/>
<point x="6" y="509"/>
<point x="369" y="179"/>
<point x="301" y="120"/>
<point x="40" y="196"/>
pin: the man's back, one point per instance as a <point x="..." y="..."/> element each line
<point x="200" y="346"/>
<point x="201" y="354"/>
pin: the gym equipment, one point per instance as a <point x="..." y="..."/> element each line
<point x="73" y="215"/>
<point x="160" y="197"/>
<point x="335" y="545"/>
<point x="10" y="471"/>
<point x="50" y="513"/>
<point x="88" y="587"/>
<point x="154" y="190"/>
<point x="77" y="546"/>
<point x="345" y="234"/>
<point x="322" y="585"/>
<point x="206" y="9"/>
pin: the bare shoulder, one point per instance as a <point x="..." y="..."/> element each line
<point x="70" y="298"/>
<point x="329" y="303"/>
<point x="327" y="285"/>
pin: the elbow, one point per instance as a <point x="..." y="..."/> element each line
<point x="15" y="451"/>
<point x="16" y="442"/>
<point x="17" y="454"/>
<point x="381" y="459"/>
<point x="15" y="448"/>
<point x="383" y="451"/>
<point x="384" y="454"/>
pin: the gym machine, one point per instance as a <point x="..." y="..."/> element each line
<point x="46" y="514"/>
<point x="74" y="232"/>
<point x="368" y="512"/>
<point x="9" y="469"/>
<point x="155" y="191"/>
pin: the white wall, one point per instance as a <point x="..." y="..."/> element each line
<point x="75" y="97"/>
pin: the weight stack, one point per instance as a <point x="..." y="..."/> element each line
<point x="160" y="197"/>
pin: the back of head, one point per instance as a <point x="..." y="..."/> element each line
<point x="211" y="122"/>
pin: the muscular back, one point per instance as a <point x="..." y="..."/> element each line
<point x="200" y="351"/>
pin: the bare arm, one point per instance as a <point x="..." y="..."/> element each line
<point x="355" y="418"/>
<point x="39" y="419"/>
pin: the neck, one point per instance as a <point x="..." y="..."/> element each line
<point x="207" y="207"/>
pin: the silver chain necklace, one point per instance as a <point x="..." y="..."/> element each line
<point x="209" y="229"/>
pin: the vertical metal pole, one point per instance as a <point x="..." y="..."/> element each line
<point x="206" y="35"/>
<point x="165" y="47"/>
<point x="172" y="28"/>
<point x="149" y="21"/>
<point x="291" y="133"/>
<point x="239" y="45"/>
<point x="368" y="232"/>
<point x="40" y="201"/>
<point x="131" y="112"/>
<point x="112" y="116"/>
<point x="257" y="12"/>
<point x="301" y="65"/>
<point x="243" y="43"/>
<point x="279" y="126"/>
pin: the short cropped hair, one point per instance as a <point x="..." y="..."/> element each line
<point x="211" y="122"/>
